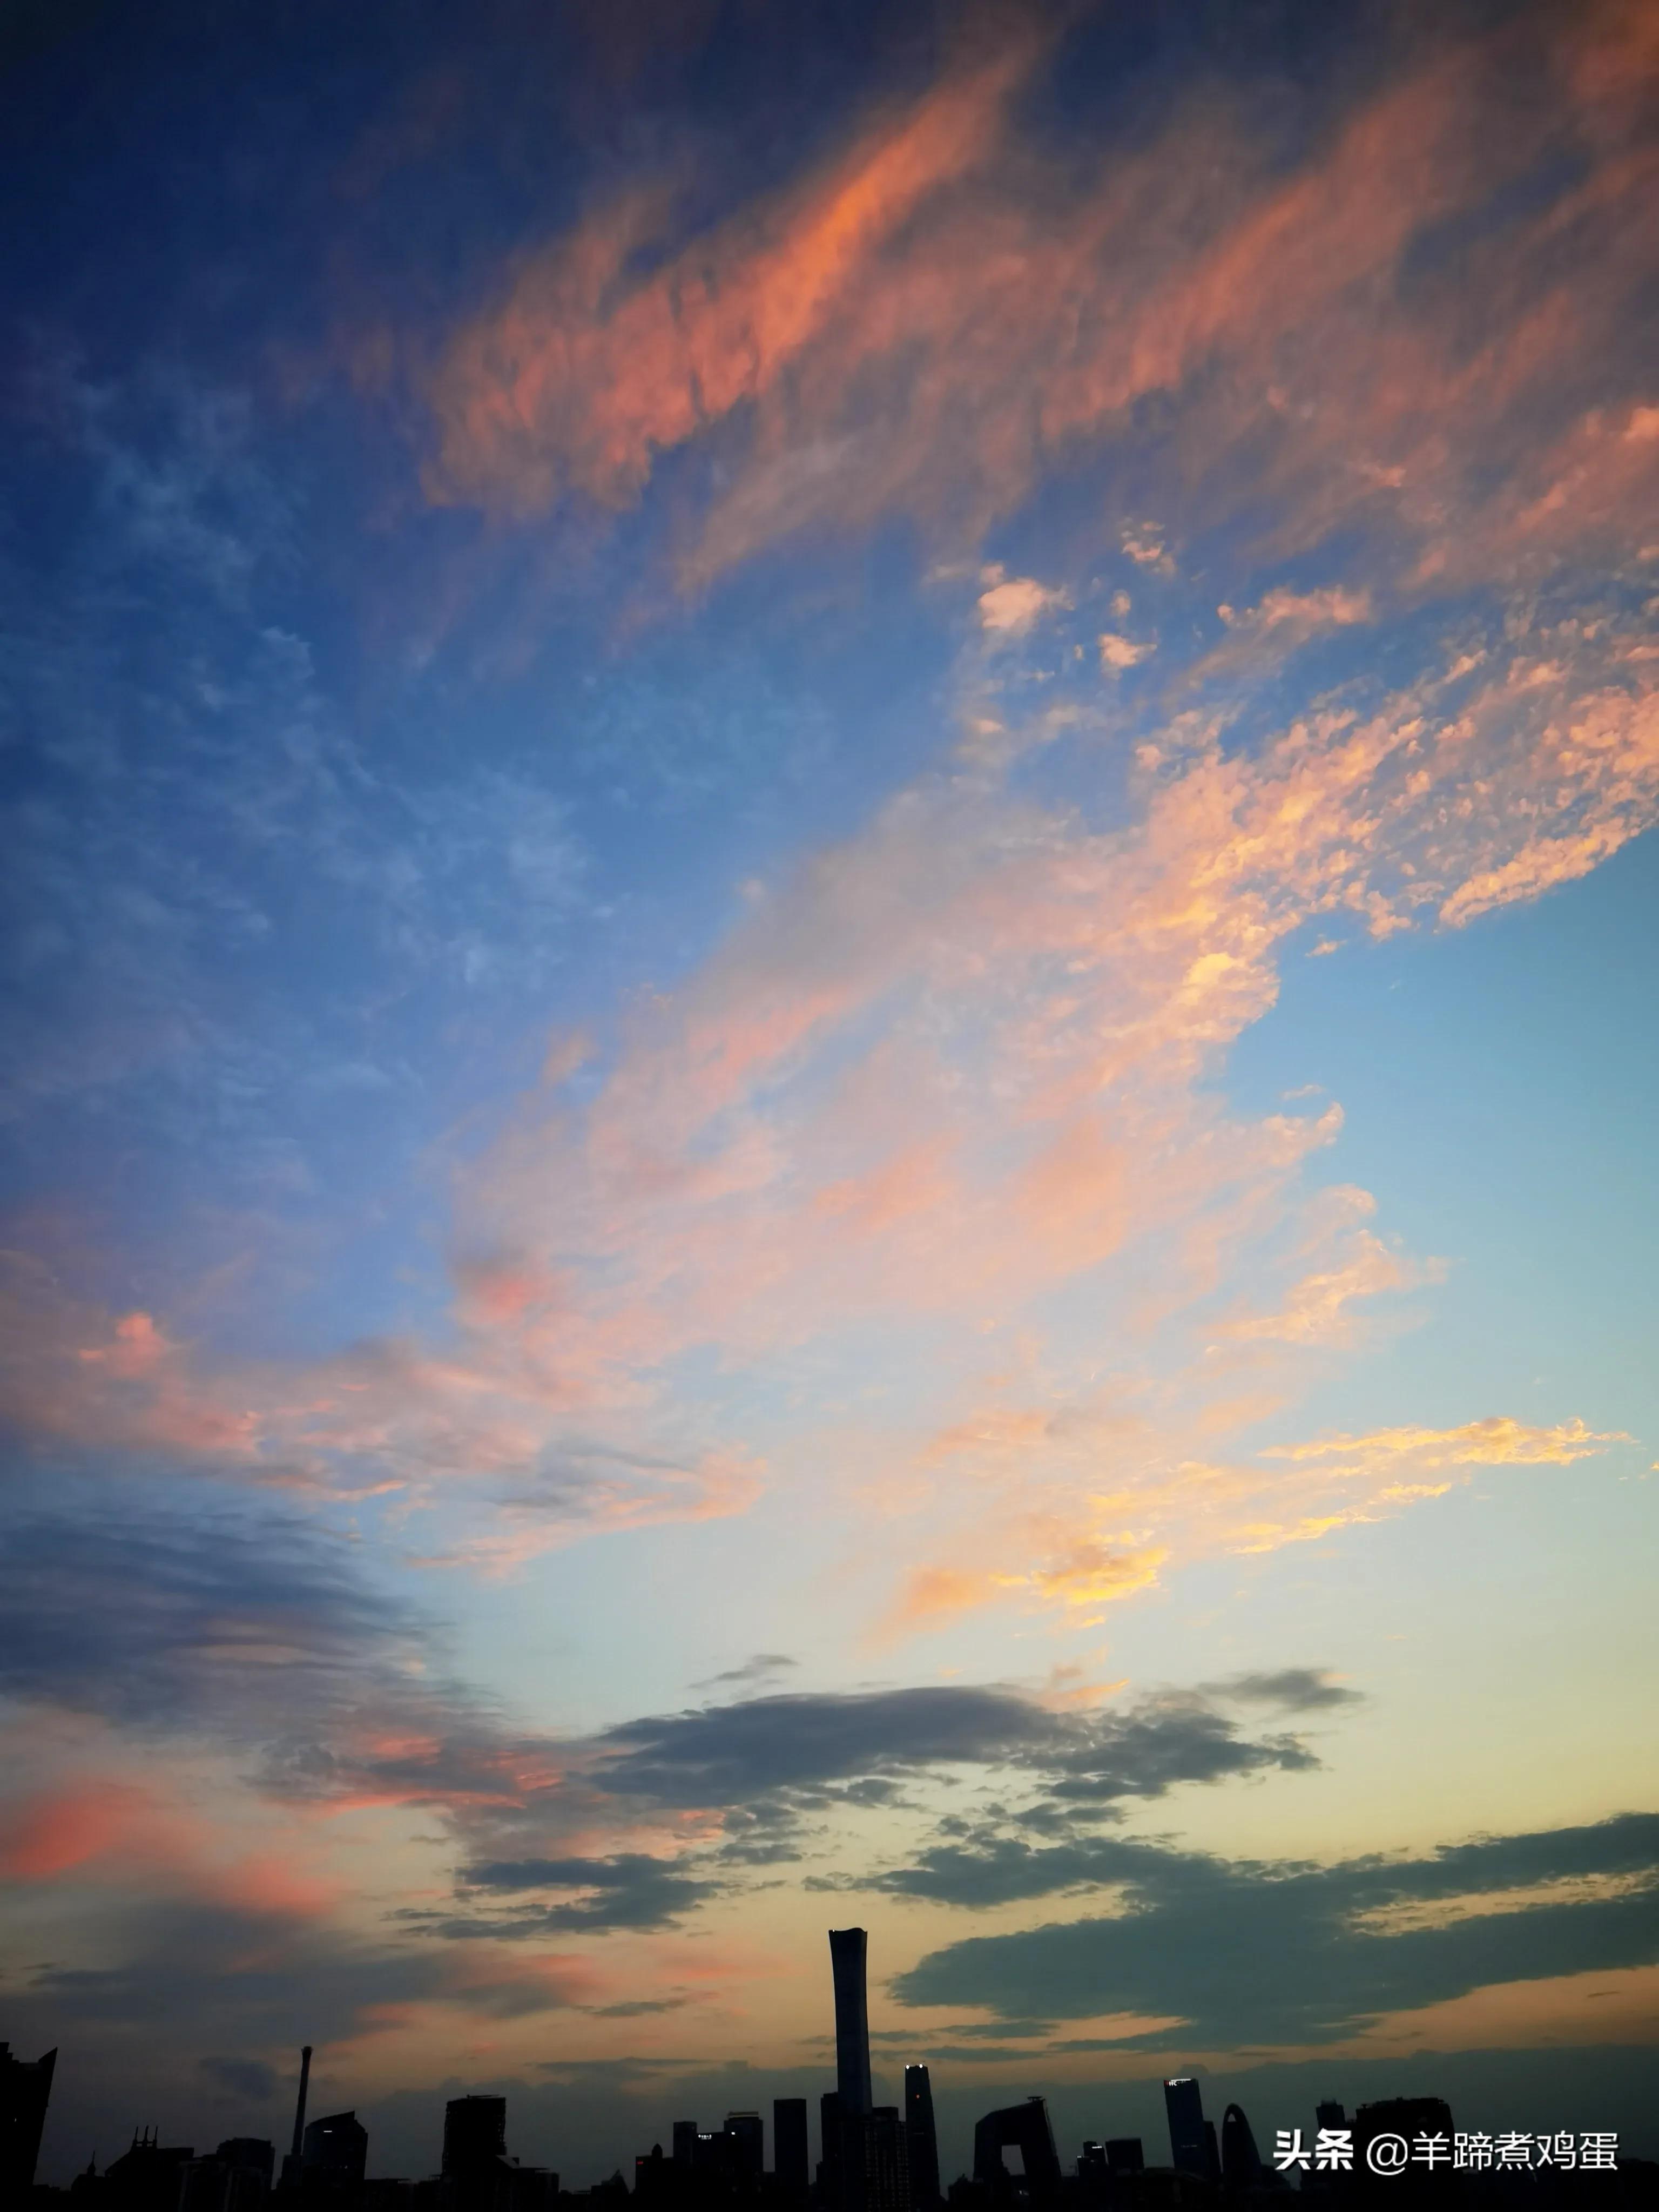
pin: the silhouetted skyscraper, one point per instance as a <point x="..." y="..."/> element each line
<point x="789" y="2160"/>
<point x="474" y="2132"/>
<point x="25" y="2090"/>
<point x="335" y="2152"/>
<point x="149" y="2175"/>
<point x="831" y="2170"/>
<point x="654" y="2177"/>
<point x="1330" y="2114"/>
<point x="1024" y="2127"/>
<point x="748" y="2135"/>
<point x="685" y="2143"/>
<point x="920" y="2138"/>
<point x="875" y="2149"/>
<point x="1124" y="2156"/>
<point x="1241" y="2163"/>
<point x="1402" y="2115"/>
<point x="847" y="1960"/>
<point x="535" y="2188"/>
<point x="474" y="2152"/>
<point x="1187" y="2149"/>
<point x="252" y="2153"/>
<point x="218" y="2184"/>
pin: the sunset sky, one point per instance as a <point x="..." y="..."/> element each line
<point x="831" y="1035"/>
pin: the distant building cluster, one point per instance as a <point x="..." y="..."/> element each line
<point x="873" y="2158"/>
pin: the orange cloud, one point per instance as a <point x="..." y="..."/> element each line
<point x="956" y="1071"/>
<point x="1498" y="1441"/>
<point x="939" y="319"/>
<point x="582" y="377"/>
<point x="1101" y="1507"/>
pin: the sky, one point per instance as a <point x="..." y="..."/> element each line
<point x="829" y="1048"/>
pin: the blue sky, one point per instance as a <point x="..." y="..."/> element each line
<point x="830" y="1038"/>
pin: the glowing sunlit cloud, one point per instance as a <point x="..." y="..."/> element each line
<point x="924" y="265"/>
<point x="781" y="1149"/>
<point x="1498" y="1441"/>
<point x="1008" y="609"/>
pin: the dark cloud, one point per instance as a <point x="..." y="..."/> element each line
<point x="635" y="2008"/>
<point x="862" y="1741"/>
<point x="262" y="1627"/>
<point x="1289" y="1690"/>
<point x="259" y="1630"/>
<point x="1286" y="1952"/>
<point x="143" y="1614"/>
<point x="1148" y="1750"/>
<point x="761" y="1668"/>
<point x="514" y="1996"/>
<point x="727" y="1754"/>
<point x="1002" y="1869"/>
<point x="629" y="1890"/>
<point x="249" y="2079"/>
<point x="216" y="1975"/>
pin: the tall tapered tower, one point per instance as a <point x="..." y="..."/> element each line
<point x="921" y="2138"/>
<point x="847" y="1956"/>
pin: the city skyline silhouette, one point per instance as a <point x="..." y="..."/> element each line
<point x="828" y="1034"/>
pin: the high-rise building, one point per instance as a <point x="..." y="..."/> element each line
<point x="847" y="1947"/>
<point x="1401" y="2116"/>
<point x="875" y="2149"/>
<point x="1189" y="2151"/>
<point x="475" y="2165"/>
<point x="148" y="2175"/>
<point x="1024" y="2127"/>
<point x="654" y="2177"/>
<point x="685" y="2143"/>
<point x="789" y="2163"/>
<point x="474" y="2132"/>
<point x="920" y="2138"/>
<point x="25" y="2090"/>
<point x="530" y="2188"/>
<point x="218" y="2185"/>
<point x="1241" y="2163"/>
<point x="748" y="2134"/>
<point x="252" y="2154"/>
<point x="334" y="2153"/>
<point x="1330" y="2114"/>
<point x="719" y="2164"/>
<point x="388" y="2193"/>
<point x="1124" y="2156"/>
<point x="831" y="2125"/>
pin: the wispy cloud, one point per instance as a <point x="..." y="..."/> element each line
<point x="927" y="326"/>
<point x="954" y="1066"/>
<point x="1289" y="1954"/>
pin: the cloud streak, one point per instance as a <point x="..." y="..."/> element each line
<point x="1287" y="1954"/>
<point x="945" y="317"/>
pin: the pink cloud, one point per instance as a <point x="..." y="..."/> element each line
<point x="1011" y="608"/>
<point x="118" y="1833"/>
<point x="929" y="325"/>
<point x="581" y="378"/>
<point x="954" y="1079"/>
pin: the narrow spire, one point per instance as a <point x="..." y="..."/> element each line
<point x="300" y="2106"/>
